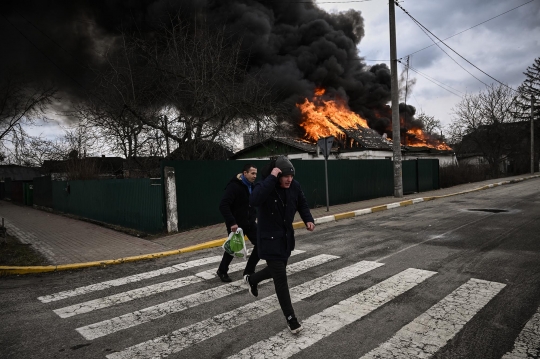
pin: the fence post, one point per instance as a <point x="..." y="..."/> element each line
<point x="170" y="200"/>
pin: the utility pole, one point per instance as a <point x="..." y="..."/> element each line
<point x="407" y="79"/>
<point x="396" y="125"/>
<point x="532" y="134"/>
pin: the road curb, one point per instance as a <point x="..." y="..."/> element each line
<point x="361" y="212"/>
<point x="14" y="270"/>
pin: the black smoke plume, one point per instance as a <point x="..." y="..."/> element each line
<point x="295" y="45"/>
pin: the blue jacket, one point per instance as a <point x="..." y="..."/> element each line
<point x="275" y="215"/>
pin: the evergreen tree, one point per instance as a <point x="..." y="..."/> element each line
<point x="530" y="87"/>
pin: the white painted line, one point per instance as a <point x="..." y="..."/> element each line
<point x="125" y="280"/>
<point x="334" y="318"/>
<point x="142" y="292"/>
<point x="324" y="219"/>
<point x="527" y="344"/>
<point x="429" y="332"/>
<point x="185" y="337"/>
<point x="393" y="205"/>
<point x="145" y="315"/>
<point x="124" y="297"/>
<point x="417" y="200"/>
<point x="361" y="212"/>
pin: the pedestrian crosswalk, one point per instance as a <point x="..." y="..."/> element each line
<point x="100" y="329"/>
<point x="422" y="337"/>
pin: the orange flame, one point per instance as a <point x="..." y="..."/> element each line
<point x="417" y="138"/>
<point x="321" y="116"/>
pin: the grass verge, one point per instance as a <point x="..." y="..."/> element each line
<point x="15" y="253"/>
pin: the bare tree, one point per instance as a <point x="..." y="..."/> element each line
<point x="21" y="104"/>
<point x="480" y="124"/>
<point x="26" y="150"/>
<point x="431" y="124"/>
<point x="184" y="85"/>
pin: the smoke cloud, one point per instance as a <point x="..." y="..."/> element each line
<point x="296" y="46"/>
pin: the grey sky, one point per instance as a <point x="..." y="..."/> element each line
<point x="502" y="47"/>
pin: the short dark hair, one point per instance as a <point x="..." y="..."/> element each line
<point x="247" y="166"/>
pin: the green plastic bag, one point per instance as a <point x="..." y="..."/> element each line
<point x="235" y="245"/>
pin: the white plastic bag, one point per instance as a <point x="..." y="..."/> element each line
<point x="235" y="245"/>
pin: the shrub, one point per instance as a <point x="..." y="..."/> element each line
<point x="455" y="174"/>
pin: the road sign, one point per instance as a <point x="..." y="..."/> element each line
<point x="326" y="145"/>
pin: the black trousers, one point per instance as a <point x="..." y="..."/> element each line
<point x="253" y="258"/>
<point x="278" y="271"/>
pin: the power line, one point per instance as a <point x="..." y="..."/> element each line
<point x="472" y="27"/>
<point x="440" y="84"/>
<point x="317" y="2"/>
<point x="427" y="76"/>
<point x="457" y="63"/>
<point x="476" y="67"/>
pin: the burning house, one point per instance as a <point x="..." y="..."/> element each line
<point x="354" y="137"/>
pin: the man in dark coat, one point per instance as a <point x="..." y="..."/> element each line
<point x="236" y="210"/>
<point x="277" y="198"/>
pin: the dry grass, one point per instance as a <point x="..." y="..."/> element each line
<point x="15" y="253"/>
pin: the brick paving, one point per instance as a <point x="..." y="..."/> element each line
<point x="65" y="240"/>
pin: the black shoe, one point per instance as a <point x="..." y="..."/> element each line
<point x="223" y="276"/>
<point x="252" y="287"/>
<point x="293" y="325"/>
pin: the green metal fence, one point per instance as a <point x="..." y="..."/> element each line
<point x="200" y="184"/>
<point x="428" y="175"/>
<point x="131" y="203"/>
<point x="43" y="191"/>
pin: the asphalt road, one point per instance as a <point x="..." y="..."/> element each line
<point x="452" y="278"/>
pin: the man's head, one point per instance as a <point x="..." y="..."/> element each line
<point x="287" y="171"/>
<point x="285" y="166"/>
<point x="249" y="172"/>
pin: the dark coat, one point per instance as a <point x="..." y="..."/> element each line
<point x="235" y="207"/>
<point x="275" y="216"/>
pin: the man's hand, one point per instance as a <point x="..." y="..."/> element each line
<point x="275" y="172"/>
<point x="310" y="226"/>
<point x="234" y="228"/>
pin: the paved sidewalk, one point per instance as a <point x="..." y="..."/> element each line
<point x="66" y="241"/>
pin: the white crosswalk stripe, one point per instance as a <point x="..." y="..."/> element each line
<point x="422" y="337"/>
<point x="138" y="293"/>
<point x="125" y="280"/>
<point x="433" y="329"/>
<point x="198" y="332"/>
<point x="129" y="320"/>
<point x="527" y="344"/>
<point x="330" y="320"/>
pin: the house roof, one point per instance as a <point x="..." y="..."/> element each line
<point x="368" y="138"/>
<point x="19" y="173"/>
<point x="512" y="132"/>
<point x="294" y="144"/>
<point x="103" y="164"/>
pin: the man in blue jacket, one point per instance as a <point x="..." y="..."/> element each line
<point x="237" y="212"/>
<point x="277" y="198"/>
